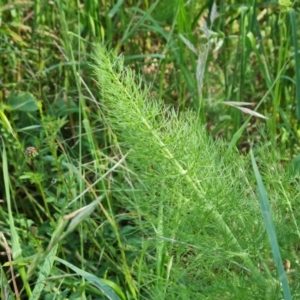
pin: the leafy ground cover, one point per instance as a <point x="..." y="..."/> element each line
<point x="126" y="129"/>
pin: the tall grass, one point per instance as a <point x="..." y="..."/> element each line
<point x="138" y="200"/>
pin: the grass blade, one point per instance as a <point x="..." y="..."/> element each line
<point x="43" y="273"/>
<point x="270" y="228"/>
<point x="297" y="66"/>
<point x="99" y="283"/>
<point x="16" y="248"/>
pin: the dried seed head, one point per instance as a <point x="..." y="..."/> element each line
<point x="31" y="152"/>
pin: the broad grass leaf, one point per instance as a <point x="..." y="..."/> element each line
<point x="23" y="102"/>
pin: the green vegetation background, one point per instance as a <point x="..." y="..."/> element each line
<point x="126" y="167"/>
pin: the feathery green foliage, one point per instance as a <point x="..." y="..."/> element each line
<point x="189" y="195"/>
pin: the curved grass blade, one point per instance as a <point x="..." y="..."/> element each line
<point x="99" y="283"/>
